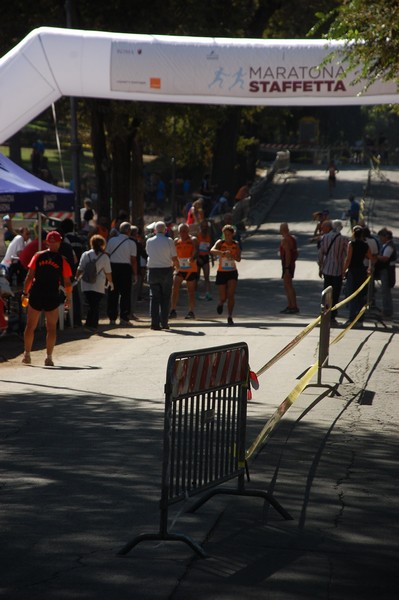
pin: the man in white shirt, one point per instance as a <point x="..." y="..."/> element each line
<point x="10" y="259"/>
<point x="122" y="251"/>
<point x="162" y="257"/>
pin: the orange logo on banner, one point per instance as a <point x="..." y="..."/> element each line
<point x="155" y="83"/>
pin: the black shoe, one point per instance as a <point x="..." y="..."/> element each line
<point x="165" y="327"/>
<point x="230" y="321"/>
<point x="91" y="329"/>
<point x="293" y="311"/>
<point x="172" y="314"/>
<point x="190" y="315"/>
<point x="156" y="328"/>
<point x="285" y="311"/>
<point x="125" y="323"/>
<point x="219" y="309"/>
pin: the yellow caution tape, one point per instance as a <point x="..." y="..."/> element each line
<point x="282" y="409"/>
<point x="339" y="337"/>
<point x="355" y="293"/>
<point x="306" y="378"/>
<point x="342" y="333"/>
<point x="289" y="346"/>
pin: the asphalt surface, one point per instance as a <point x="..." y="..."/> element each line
<point x="81" y="443"/>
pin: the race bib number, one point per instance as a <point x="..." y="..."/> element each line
<point x="228" y="264"/>
<point x="203" y="246"/>
<point x="184" y="263"/>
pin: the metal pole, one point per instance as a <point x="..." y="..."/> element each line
<point x="173" y="164"/>
<point x="173" y="198"/>
<point x="324" y="339"/>
<point x="39" y="230"/>
<point x="75" y="145"/>
<point x="75" y="149"/>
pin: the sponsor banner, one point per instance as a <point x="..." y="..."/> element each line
<point x="236" y="69"/>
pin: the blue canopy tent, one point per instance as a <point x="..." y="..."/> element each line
<point x="21" y="191"/>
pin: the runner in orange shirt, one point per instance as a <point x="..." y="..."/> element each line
<point x="187" y="252"/>
<point x="229" y="252"/>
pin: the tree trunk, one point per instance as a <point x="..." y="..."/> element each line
<point x="120" y="137"/>
<point x="100" y="158"/>
<point x="225" y="153"/>
<point x="137" y="183"/>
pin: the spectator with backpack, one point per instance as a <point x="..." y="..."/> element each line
<point x="385" y="270"/>
<point x="94" y="271"/>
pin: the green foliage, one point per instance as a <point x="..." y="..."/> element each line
<point x="370" y="29"/>
<point x="293" y="19"/>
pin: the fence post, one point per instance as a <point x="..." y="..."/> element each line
<point x="325" y="323"/>
<point x="324" y="345"/>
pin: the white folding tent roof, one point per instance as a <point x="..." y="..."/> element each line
<point x="51" y="62"/>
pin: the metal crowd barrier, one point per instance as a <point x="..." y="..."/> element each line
<point x="204" y="433"/>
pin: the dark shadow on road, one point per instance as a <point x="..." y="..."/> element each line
<point x="81" y="476"/>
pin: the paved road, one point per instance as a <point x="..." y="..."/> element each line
<point x="81" y="446"/>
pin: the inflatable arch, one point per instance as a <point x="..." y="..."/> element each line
<point x="51" y="62"/>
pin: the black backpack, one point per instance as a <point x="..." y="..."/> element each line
<point x="90" y="271"/>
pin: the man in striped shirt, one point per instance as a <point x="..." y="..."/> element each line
<point x="331" y="257"/>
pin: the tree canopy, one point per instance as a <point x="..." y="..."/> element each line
<point x="371" y="31"/>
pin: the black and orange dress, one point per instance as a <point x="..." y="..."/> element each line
<point x="50" y="269"/>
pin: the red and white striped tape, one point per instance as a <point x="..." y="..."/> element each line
<point x="51" y="215"/>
